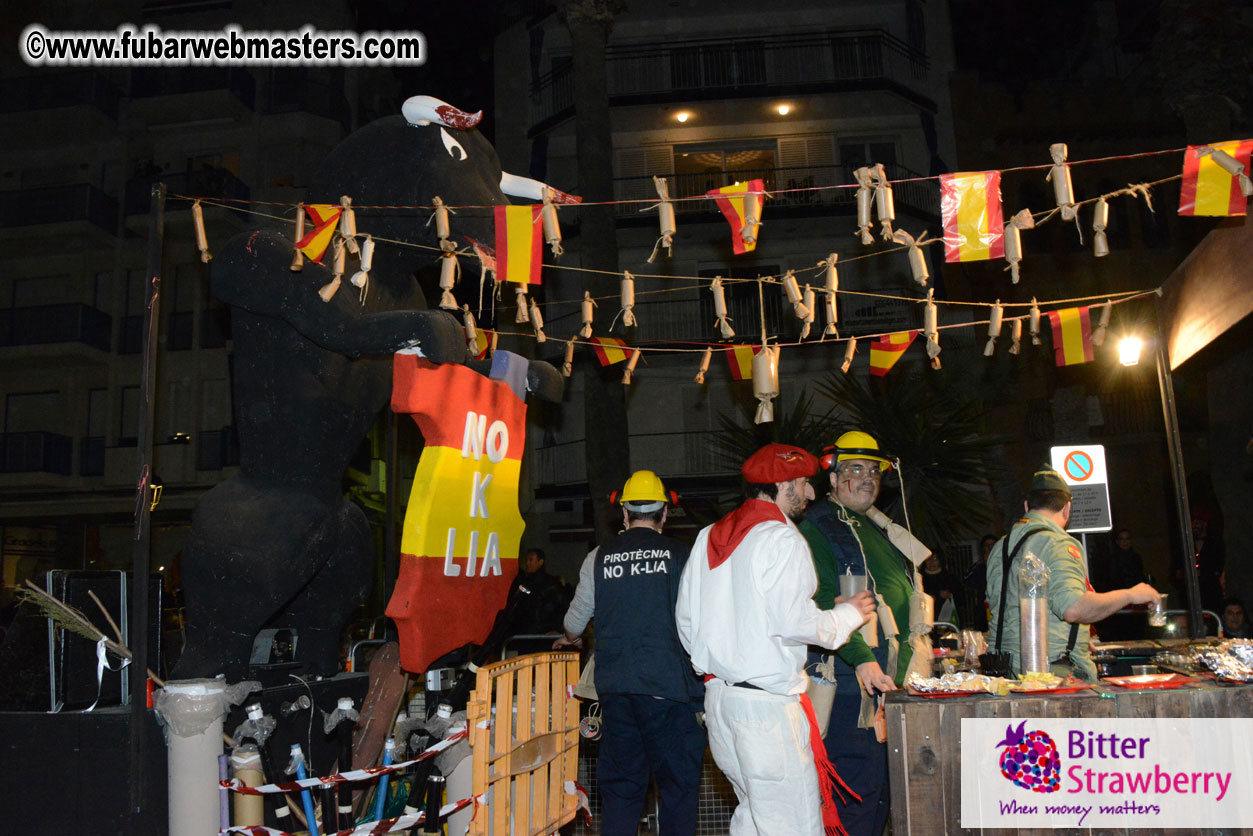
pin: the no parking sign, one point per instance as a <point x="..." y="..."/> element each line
<point x="1083" y="469"/>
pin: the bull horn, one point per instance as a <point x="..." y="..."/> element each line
<point x="515" y="186"/>
<point x="423" y="110"/>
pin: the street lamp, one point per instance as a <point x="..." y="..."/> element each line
<point x="1129" y="350"/>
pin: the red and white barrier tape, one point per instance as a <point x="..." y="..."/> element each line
<point x="373" y="828"/>
<point x="345" y="777"/>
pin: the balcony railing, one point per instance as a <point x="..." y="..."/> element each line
<point x="58" y="204"/>
<point x="147" y="82"/>
<point x="922" y="196"/>
<point x="66" y="323"/>
<point x="36" y="452"/>
<point x="870" y="59"/>
<point x="206" y="182"/>
<point x="45" y="92"/>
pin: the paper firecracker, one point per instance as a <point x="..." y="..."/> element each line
<point x="202" y="240"/>
<point x="1098" y="334"/>
<point x="931" y="329"/>
<point x="630" y="367"/>
<point x="970" y="207"/>
<point x="537" y="322"/>
<point x="361" y="278"/>
<point x="552" y="229"/>
<point x="1023" y="219"/>
<point x="995" y="317"/>
<point x="665" y="218"/>
<point x="765" y="382"/>
<point x="794" y="296"/>
<point x="720" y="309"/>
<point x="831" y="288"/>
<point x="567" y="363"/>
<point x="885" y="205"/>
<point x="1033" y="322"/>
<point x="1100" y="221"/>
<point x="627" y="285"/>
<point x="808" y="319"/>
<point x="1015" y="336"/>
<point x="1059" y="175"/>
<point x="449" y="272"/>
<point x="348" y="224"/>
<point x="338" y="261"/>
<point x="865" y="199"/>
<point x="849" y="351"/>
<point x="704" y="364"/>
<point x="585" y="310"/>
<point x="521" y="303"/>
<point x="917" y="258"/>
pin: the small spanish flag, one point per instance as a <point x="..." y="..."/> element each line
<point x="609" y="350"/>
<point x="731" y="200"/>
<point x="1072" y="336"/>
<point x="482" y="342"/>
<point x="740" y="358"/>
<point x="325" y="217"/>
<point x="519" y="244"/>
<point x="970" y="207"/>
<point x="885" y="351"/>
<point x="1209" y="190"/>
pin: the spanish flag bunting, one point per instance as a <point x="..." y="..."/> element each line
<point x="519" y="244"/>
<point x="885" y="351"/>
<point x="731" y="200"/>
<point x="1207" y="189"/>
<point x="970" y="207"/>
<point x="325" y="217"/>
<point x="482" y="342"/>
<point x="609" y="350"/>
<point x="740" y="358"/>
<point x="1072" y="336"/>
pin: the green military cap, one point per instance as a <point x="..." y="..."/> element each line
<point x="1048" y="479"/>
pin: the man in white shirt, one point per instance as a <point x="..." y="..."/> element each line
<point x="745" y="615"/>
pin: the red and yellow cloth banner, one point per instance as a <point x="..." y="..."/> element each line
<point x="609" y="350"/>
<point x="730" y="200"/>
<point x="482" y="343"/>
<point x="325" y="217"/>
<point x="740" y="358"/>
<point x="519" y="244"/>
<point x="970" y="207"/>
<point x="1209" y="190"/>
<point x="459" y="549"/>
<point x="1072" y="336"/>
<point x="885" y="351"/>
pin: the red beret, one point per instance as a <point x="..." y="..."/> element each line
<point x="779" y="463"/>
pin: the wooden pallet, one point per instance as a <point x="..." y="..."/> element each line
<point x="524" y="738"/>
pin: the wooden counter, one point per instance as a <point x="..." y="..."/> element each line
<point x="924" y="744"/>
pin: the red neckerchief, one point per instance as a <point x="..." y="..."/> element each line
<point x="728" y="532"/>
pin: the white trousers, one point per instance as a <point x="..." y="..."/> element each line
<point x="760" y="741"/>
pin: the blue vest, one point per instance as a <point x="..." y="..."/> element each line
<point x="637" y="644"/>
<point x="847" y="556"/>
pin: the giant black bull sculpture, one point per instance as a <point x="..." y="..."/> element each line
<point x="278" y="544"/>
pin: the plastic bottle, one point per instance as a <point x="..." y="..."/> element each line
<point x="1033" y="631"/>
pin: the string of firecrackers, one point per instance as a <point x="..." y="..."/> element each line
<point x="351" y="776"/>
<point x="970" y="202"/>
<point x="374" y="828"/>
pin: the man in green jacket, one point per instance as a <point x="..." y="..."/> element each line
<point x="1072" y="603"/>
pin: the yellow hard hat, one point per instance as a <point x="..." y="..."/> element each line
<point x="644" y="491"/>
<point x="854" y="444"/>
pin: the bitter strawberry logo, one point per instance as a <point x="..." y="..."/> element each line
<point x="1030" y="759"/>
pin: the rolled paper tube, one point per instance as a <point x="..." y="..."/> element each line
<point x="630" y="367"/>
<point x="537" y="322"/>
<point x="720" y="308"/>
<point x="202" y="241"/>
<point x="628" y="300"/>
<point x="520" y="299"/>
<point x="1230" y="165"/>
<point x="704" y="365"/>
<point x="567" y="364"/>
<point x="472" y="331"/>
<point x="1013" y="250"/>
<point x="832" y="277"/>
<point x="885" y="206"/>
<point x="849" y="351"/>
<point x="752" y="218"/>
<point x="337" y="261"/>
<point x="442" y="228"/>
<point x="361" y="278"/>
<point x="995" y="318"/>
<point x="1033" y="322"/>
<point x="298" y="258"/>
<point x="552" y="229"/>
<point x="766" y="382"/>
<point x="668" y="225"/>
<point x="1015" y="336"/>
<point x="832" y="317"/>
<point x="448" y="270"/>
<point x="1098" y="333"/>
<point x="794" y="296"/>
<point x="864" y="199"/>
<point x="917" y="261"/>
<point x="808" y="318"/>
<point x="247" y="769"/>
<point x="1059" y="174"/>
<point x="1100" y="221"/>
<point x="931" y="329"/>
<point x="348" y="224"/>
<point x="586" y="307"/>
